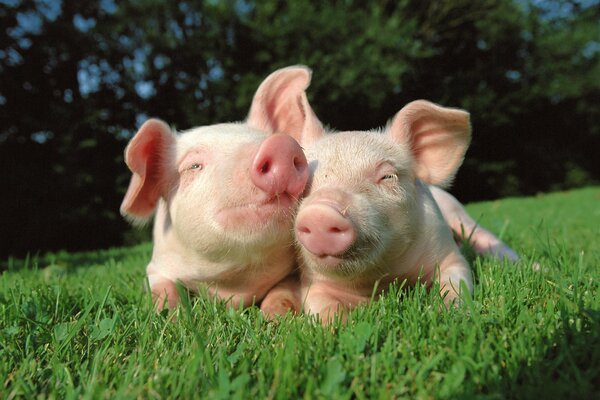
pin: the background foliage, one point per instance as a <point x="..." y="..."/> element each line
<point x="78" y="78"/>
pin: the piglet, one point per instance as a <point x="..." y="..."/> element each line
<point x="465" y="228"/>
<point x="369" y="217"/>
<point x="224" y="197"/>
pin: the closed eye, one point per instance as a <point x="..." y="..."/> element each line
<point x="388" y="178"/>
<point x="193" y="161"/>
<point x="385" y="173"/>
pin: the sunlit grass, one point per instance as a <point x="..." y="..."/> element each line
<point x="81" y="325"/>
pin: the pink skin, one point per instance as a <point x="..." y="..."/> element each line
<point x="283" y="298"/>
<point x="223" y="197"/>
<point x="327" y="246"/>
<point x="391" y="227"/>
<point x="482" y="240"/>
<point x="263" y="201"/>
<point x="324" y="231"/>
<point x="280" y="167"/>
<point x="369" y="217"/>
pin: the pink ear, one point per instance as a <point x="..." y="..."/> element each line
<point x="438" y="137"/>
<point x="280" y="106"/>
<point x="145" y="156"/>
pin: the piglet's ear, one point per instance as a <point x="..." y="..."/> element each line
<point x="146" y="156"/>
<point x="438" y="137"/>
<point x="280" y="106"/>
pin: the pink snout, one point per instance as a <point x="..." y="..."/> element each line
<point x="324" y="231"/>
<point x="280" y="166"/>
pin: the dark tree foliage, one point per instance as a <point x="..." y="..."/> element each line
<point x="77" y="78"/>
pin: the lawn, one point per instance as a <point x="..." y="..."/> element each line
<point x="82" y="326"/>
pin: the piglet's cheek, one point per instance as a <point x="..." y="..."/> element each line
<point x="185" y="179"/>
<point x="188" y="176"/>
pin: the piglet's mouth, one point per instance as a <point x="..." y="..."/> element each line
<point x="275" y="209"/>
<point x="357" y="254"/>
<point x="334" y="265"/>
<point x="283" y="201"/>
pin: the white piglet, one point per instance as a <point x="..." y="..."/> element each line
<point x="224" y="197"/>
<point x="369" y="217"/>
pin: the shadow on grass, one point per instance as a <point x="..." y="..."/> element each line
<point x="570" y="367"/>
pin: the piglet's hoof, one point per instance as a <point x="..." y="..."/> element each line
<point x="278" y="306"/>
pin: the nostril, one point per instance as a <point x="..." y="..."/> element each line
<point x="299" y="164"/>
<point x="335" y="229"/>
<point x="265" y="167"/>
<point x="304" y="229"/>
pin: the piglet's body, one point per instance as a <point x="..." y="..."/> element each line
<point x="369" y="217"/>
<point x="464" y="227"/>
<point x="371" y="213"/>
<point x="224" y="197"/>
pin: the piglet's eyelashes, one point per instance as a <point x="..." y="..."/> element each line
<point x="388" y="180"/>
<point x="385" y="173"/>
<point x="388" y="177"/>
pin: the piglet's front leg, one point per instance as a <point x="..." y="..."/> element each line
<point x="329" y="301"/>
<point x="328" y="308"/>
<point x="164" y="293"/>
<point x="284" y="297"/>
<point x="454" y="269"/>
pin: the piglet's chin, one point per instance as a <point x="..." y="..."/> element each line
<point x="323" y="261"/>
<point x="335" y="267"/>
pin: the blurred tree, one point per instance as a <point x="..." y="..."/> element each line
<point x="359" y="51"/>
<point x="57" y="156"/>
<point x="77" y="78"/>
<point x="533" y="134"/>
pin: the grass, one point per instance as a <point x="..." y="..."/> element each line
<point x="82" y="326"/>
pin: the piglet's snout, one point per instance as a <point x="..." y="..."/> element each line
<point x="280" y="166"/>
<point x="324" y="231"/>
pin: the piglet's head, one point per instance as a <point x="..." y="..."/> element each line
<point x="364" y="208"/>
<point x="227" y="184"/>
